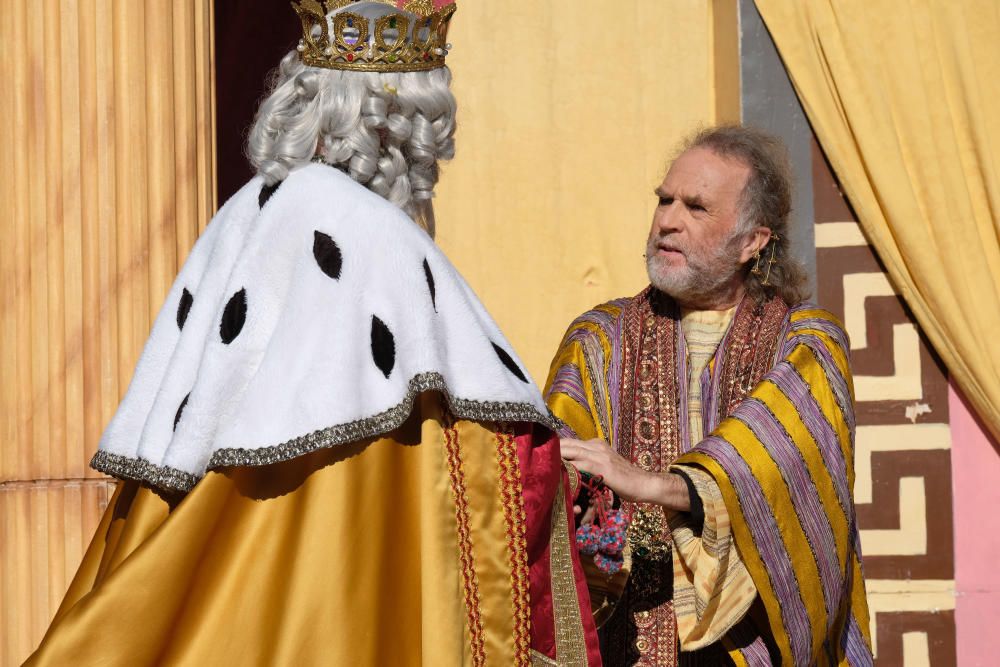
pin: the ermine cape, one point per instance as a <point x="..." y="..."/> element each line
<point x="309" y="315"/>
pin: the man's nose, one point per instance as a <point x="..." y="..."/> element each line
<point x="670" y="219"/>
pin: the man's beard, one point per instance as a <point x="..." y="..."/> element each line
<point x="702" y="277"/>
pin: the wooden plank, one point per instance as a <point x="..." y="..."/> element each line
<point x="108" y="175"/>
<point x="45" y="527"/>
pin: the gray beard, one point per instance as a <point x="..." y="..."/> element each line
<point x="700" y="279"/>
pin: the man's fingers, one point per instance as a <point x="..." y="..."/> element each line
<point x="572" y="451"/>
<point x="570" y="445"/>
<point x="577" y="448"/>
<point x="571" y="456"/>
<point x="581" y="454"/>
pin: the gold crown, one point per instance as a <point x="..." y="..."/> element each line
<point x="374" y="35"/>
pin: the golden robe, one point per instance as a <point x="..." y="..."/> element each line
<point x="422" y="547"/>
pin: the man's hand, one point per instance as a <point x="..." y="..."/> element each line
<point x="631" y="483"/>
<point x="597" y="458"/>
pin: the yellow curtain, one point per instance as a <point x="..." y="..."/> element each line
<point x="902" y="98"/>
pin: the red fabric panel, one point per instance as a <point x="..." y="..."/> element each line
<point x="538" y="457"/>
<point x="541" y="469"/>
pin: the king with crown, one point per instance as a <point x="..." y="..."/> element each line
<point x="329" y="453"/>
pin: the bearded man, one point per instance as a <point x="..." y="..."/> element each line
<point x="719" y="406"/>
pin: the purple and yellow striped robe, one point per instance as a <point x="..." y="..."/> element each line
<point x="782" y="456"/>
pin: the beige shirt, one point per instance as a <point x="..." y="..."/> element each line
<point x="703" y="330"/>
<point x="712" y="588"/>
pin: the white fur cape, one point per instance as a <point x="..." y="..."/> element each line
<point x="309" y="314"/>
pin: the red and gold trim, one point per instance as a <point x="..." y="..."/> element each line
<point x="750" y="350"/>
<point x="515" y="522"/>
<point x="469" y="578"/>
<point x="650" y="436"/>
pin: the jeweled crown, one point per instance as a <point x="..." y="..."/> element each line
<point x="374" y="35"/>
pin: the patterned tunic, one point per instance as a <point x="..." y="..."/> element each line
<point x="776" y="406"/>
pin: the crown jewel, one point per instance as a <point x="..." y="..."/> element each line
<point x="374" y="35"/>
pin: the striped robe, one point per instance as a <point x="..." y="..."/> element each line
<point x="778" y="440"/>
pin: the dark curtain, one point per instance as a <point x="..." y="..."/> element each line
<point x="250" y="40"/>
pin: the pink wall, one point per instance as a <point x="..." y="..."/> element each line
<point x="975" y="464"/>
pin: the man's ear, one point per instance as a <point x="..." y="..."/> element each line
<point x="753" y="243"/>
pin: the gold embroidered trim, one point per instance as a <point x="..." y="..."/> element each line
<point x="470" y="580"/>
<point x="751" y="348"/>
<point x="515" y="521"/>
<point x="574" y="478"/>
<point x="649" y="436"/>
<point x="571" y="650"/>
<point x="542" y="660"/>
<point x="652" y="438"/>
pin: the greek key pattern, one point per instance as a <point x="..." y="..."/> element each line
<point x="903" y="442"/>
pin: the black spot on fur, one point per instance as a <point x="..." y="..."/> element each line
<point x="180" y="410"/>
<point x="383" y="346"/>
<point x="430" y="284"/>
<point x="266" y="192"/>
<point x="327" y="254"/>
<point x="509" y="362"/>
<point x="184" y="307"/>
<point x="233" y="317"/>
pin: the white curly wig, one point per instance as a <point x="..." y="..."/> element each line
<point x="386" y="130"/>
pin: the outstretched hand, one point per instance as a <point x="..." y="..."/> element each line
<point x="628" y="481"/>
<point x="597" y="458"/>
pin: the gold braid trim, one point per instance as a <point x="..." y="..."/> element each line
<point x="515" y="520"/>
<point x="469" y="578"/>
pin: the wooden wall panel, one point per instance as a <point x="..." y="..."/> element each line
<point x="107" y="179"/>
<point x="44" y="528"/>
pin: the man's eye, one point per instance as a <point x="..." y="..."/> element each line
<point x="666" y="201"/>
<point x="696" y="207"/>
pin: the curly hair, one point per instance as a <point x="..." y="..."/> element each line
<point x="386" y="130"/>
<point x="766" y="201"/>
